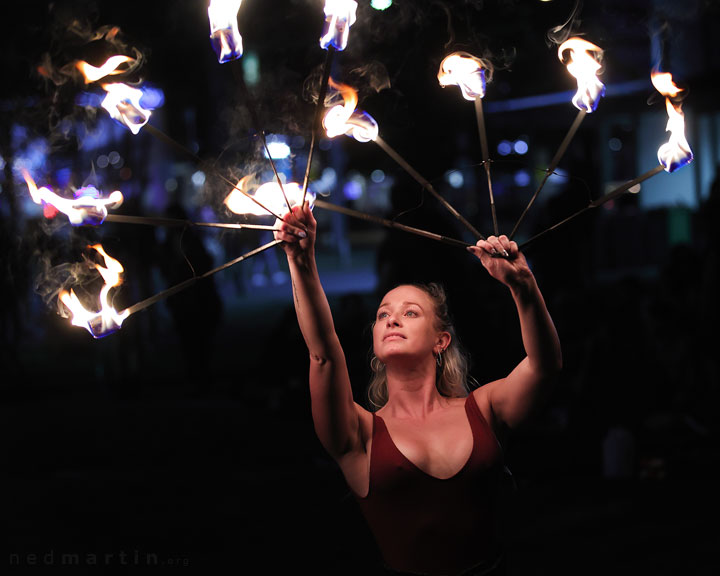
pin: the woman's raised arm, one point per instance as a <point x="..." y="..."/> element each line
<point x="335" y="414"/>
<point x="513" y="398"/>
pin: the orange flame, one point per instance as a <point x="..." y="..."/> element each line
<point x="107" y="319"/>
<point x="109" y="68"/>
<point x="269" y="195"/>
<point x="123" y="104"/>
<point x="336" y="118"/>
<point x="345" y="119"/>
<point x="83" y="210"/>
<point x="584" y="64"/>
<point x="676" y="152"/>
<point x="466" y="71"/>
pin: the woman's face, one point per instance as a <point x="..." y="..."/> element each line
<point x="405" y="326"/>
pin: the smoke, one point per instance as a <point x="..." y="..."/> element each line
<point x="74" y="38"/>
<point x="51" y="280"/>
<point x="77" y="40"/>
<point x="368" y="79"/>
<point x="559" y="34"/>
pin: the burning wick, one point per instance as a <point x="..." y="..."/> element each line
<point x="240" y="202"/>
<point x="121" y="101"/>
<point x="87" y="208"/>
<point x="107" y="320"/>
<point x="224" y="34"/>
<point x="676" y="152"/>
<point x="468" y="73"/>
<point x="109" y="68"/>
<point x="123" y="104"/>
<point x="340" y="15"/>
<point x="584" y="64"/>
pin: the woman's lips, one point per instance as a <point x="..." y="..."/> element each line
<point x="393" y="336"/>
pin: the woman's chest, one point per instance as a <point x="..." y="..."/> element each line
<point x="440" y="447"/>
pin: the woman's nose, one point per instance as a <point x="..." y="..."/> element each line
<point x="392" y="321"/>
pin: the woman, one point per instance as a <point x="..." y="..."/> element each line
<point x="425" y="467"/>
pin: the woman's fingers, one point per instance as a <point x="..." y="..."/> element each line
<point x="496" y="246"/>
<point x="288" y="231"/>
<point x="291" y="228"/>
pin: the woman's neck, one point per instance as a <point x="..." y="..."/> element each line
<point x="412" y="393"/>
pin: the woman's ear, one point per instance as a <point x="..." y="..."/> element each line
<point x="444" y="340"/>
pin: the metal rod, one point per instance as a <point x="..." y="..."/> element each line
<point x="599" y="202"/>
<point x="426" y="185"/>
<point x="485" y="157"/>
<point x="191" y="281"/>
<point x="245" y="93"/>
<point x="319" y="107"/>
<point x="553" y="164"/>
<point x="153" y="221"/>
<point x="390" y="223"/>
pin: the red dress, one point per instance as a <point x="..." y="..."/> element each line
<point x="427" y="525"/>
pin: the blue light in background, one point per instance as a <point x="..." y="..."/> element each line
<point x="522" y="178"/>
<point x="377" y="176"/>
<point x="198" y="178"/>
<point x="327" y="181"/>
<point x="455" y="179"/>
<point x="63" y="176"/>
<point x="352" y="190"/>
<point x="152" y="97"/>
<point x="615" y="144"/>
<point x="520" y="147"/>
<point x="504" y="148"/>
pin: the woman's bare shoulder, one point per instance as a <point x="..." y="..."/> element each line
<point x="482" y="399"/>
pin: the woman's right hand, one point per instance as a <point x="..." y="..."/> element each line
<point x="297" y="231"/>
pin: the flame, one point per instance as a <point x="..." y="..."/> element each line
<point x="584" y="65"/>
<point x="676" y="152"/>
<point x="336" y="118"/>
<point x="85" y="209"/>
<point x="345" y="119"/>
<point x="224" y="34"/>
<point x="339" y="16"/>
<point x="109" y="68"/>
<point x="107" y="320"/>
<point x="269" y="195"/>
<point x="463" y="70"/>
<point x="123" y="104"/>
<point x="361" y="126"/>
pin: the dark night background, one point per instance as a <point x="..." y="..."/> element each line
<point x="186" y="438"/>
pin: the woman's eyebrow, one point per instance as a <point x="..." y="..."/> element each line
<point x="406" y="303"/>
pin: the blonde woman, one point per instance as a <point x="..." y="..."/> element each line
<point x="425" y="466"/>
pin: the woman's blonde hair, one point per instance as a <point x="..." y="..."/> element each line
<point x="452" y="373"/>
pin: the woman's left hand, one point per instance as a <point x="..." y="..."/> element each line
<point x="502" y="259"/>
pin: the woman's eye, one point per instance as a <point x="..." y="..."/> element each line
<point x="411" y="313"/>
<point x="382" y="315"/>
